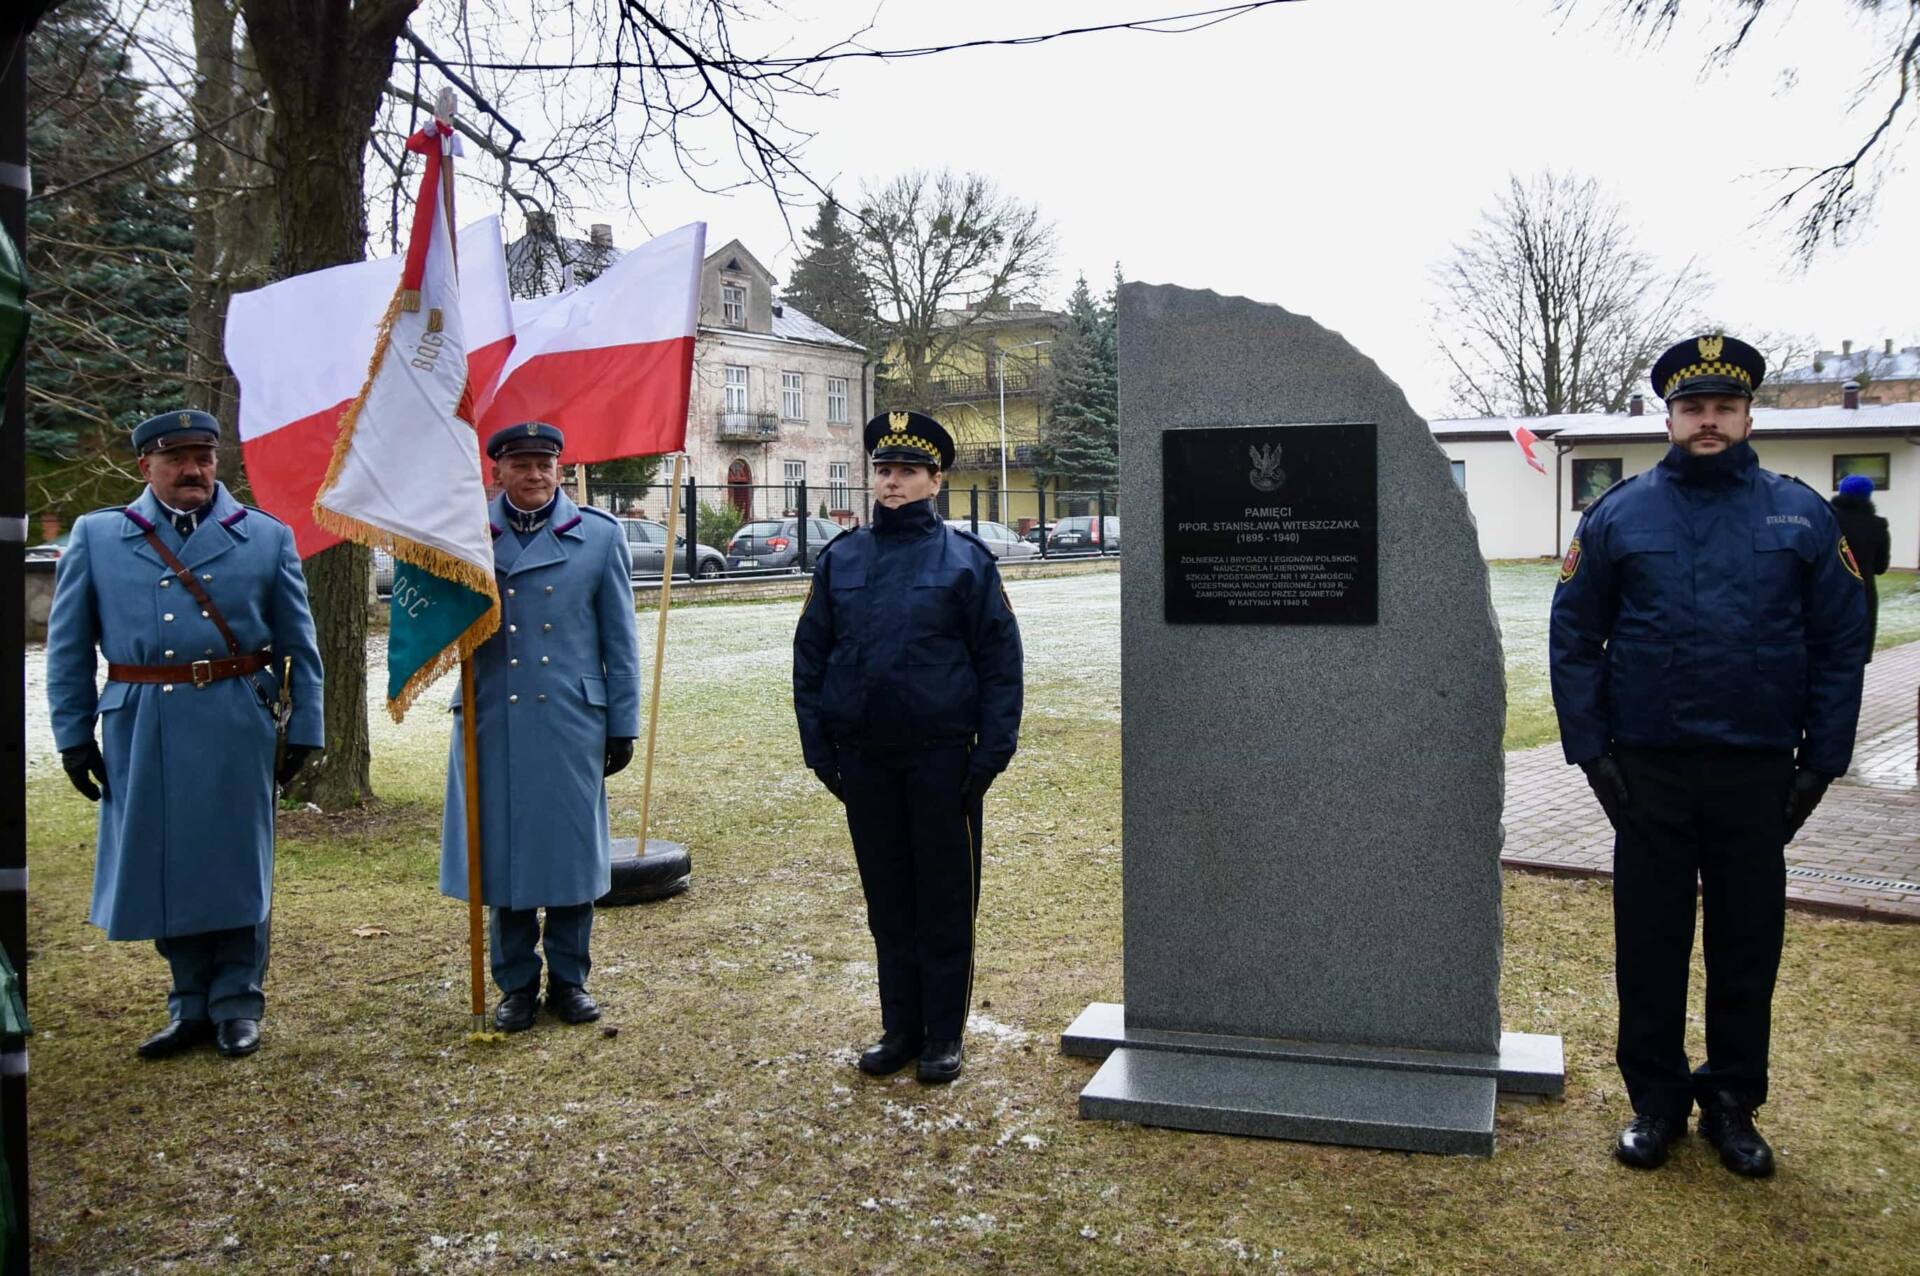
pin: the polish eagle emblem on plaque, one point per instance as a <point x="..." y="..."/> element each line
<point x="1266" y="474"/>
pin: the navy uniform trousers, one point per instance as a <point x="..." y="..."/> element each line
<point x="515" y="941"/>
<point x="217" y="974"/>
<point x="1717" y="815"/>
<point x="917" y="843"/>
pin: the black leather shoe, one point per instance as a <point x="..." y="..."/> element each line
<point x="236" y="1037"/>
<point x="1645" y="1142"/>
<point x="894" y="1051"/>
<point x="515" y="1011"/>
<point x="176" y="1038"/>
<point x="940" y="1062"/>
<point x="571" y="1003"/>
<point x="1727" y="1123"/>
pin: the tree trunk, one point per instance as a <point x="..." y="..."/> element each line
<point x="325" y="63"/>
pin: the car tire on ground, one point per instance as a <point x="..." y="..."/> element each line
<point x="709" y="570"/>
<point x="662" y="872"/>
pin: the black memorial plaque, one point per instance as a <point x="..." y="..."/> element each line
<point x="1272" y="525"/>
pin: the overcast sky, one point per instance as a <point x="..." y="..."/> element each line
<point x="1325" y="155"/>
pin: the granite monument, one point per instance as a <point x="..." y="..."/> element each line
<point x="1314" y="699"/>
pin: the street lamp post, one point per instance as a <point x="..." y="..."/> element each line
<point x="1025" y="345"/>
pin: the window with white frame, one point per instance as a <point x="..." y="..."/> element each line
<point x="792" y="402"/>
<point x="736" y="388"/>
<point x="1459" y="474"/>
<point x="837" y="403"/>
<point x="733" y="305"/>
<point x="796" y="474"/>
<point x="838" y="497"/>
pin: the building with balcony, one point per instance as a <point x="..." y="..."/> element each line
<point x="778" y="400"/>
<point x="1003" y="356"/>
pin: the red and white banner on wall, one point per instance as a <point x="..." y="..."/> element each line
<point x="611" y="364"/>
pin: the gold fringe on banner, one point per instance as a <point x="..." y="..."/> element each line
<point x="431" y="558"/>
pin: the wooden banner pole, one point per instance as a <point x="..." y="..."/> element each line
<point x="660" y="646"/>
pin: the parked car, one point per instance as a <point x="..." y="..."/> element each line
<point x="1034" y="535"/>
<point x="1080" y="533"/>
<point x="48" y="551"/>
<point x="773" y="544"/>
<point x="1000" y="538"/>
<point x="647" y="542"/>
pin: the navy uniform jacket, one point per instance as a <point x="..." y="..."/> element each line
<point x="906" y="641"/>
<point x="186" y="822"/>
<point x="554" y="684"/>
<point x="1709" y="602"/>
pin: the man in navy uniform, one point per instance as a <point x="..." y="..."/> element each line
<point x="558" y="690"/>
<point x="907" y="687"/>
<point x="199" y="606"/>
<point x="1708" y="635"/>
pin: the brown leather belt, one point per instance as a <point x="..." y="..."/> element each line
<point x="199" y="673"/>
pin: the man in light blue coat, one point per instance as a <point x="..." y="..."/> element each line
<point x="198" y="604"/>
<point x="558" y="695"/>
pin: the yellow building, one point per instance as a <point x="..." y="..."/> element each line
<point x="1001" y="350"/>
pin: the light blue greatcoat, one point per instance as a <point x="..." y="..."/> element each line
<point x="186" y="823"/>
<point x="559" y="679"/>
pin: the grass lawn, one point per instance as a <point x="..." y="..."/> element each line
<point x="714" y="1121"/>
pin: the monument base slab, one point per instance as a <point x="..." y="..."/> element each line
<point x="1404" y="1111"/>
<point x="1528" y="1064"/>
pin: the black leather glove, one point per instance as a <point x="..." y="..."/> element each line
<point x="292" y="758"/>
<point x="84" y="766"/>
<point x="975" y="786"/>
<point x="1808" y="788"/>
<point x="1610" y="786"/>
<point x="830" y="777"/>
<point x="619" y="754"/>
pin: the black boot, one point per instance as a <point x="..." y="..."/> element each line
<point x="176" y="1038"/>
<point x="894" y="1051"/>
<point x="236" y="1037"/>
<point x="571" y="1003"/>
<point x="1727" y="1123"/>
<point x="940" y="1063"/>
<point x="515" y="1011"/>
<point x="1645" y="1142"/>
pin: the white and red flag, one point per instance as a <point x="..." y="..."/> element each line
<point x="1526" y="439"/>
<point x="299" y="350"/>
<point x="611" y="363"/>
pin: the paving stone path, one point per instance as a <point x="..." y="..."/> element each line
<point x="1859" y="854"/>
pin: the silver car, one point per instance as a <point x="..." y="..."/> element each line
<point x="1001" y="539"/>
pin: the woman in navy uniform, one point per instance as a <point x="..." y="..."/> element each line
<point x="1708" y="634"/>
<point x="187" y="716"/>
<point x="558" y="695"/>
<point x="907" y="687"/>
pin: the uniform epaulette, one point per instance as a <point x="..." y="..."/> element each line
<point x="595" y="509"/>
<point x="1803" y="483"/>
<point x="255" y="509"/>
<point x="1594" y="504"/>
<point x="974" y="537"/>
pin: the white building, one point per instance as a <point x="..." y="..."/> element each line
<point x="1525" y="514"/>
<point x="778" y="400"/>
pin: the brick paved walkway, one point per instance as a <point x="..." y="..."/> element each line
<point x="1859" y="854"/>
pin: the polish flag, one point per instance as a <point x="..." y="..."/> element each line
<point x="1526" y="439"/>
<point x="610" y="363"/>
<point x="299" y="349"/>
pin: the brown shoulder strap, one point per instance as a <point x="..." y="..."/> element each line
<point x="194" y="587"/>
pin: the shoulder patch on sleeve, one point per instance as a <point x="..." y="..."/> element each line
<point x="1570" y="565"/>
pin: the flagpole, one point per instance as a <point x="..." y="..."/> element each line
<point x="660" y="645"/>
<point x="480" y="1029"/>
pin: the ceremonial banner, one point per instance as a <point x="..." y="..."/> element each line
<point x="299" y="350"/>
<point x="611" y="363"/>
<point x="405" y="469"/>
<point x="1526" y="439"/>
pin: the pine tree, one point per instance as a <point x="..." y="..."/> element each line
<point x="108" y="264"/>
<point x="1080" y="440"/>
<point x="827" y="285"/>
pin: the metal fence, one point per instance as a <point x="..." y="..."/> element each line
<point x="1029" y="520"/>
